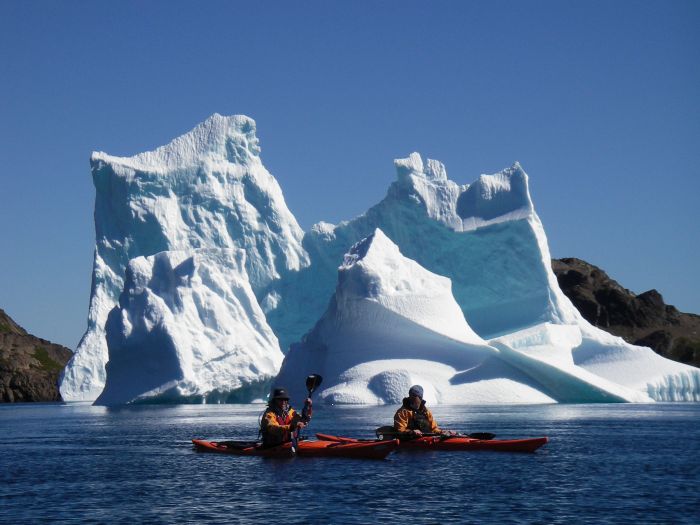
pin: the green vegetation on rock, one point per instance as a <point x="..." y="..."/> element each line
<point x="685" y="350"/>
<point x="41" y="355"/>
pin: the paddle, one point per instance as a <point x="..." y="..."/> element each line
<point x="312" y="383"/>
<point x="387" y="430"/>
<point x="484" y="436"/>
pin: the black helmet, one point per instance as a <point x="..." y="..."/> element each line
<point x="279" y="393"/>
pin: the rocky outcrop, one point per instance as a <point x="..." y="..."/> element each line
<point x="643" y="319"/>
<point x="29" y="366"/>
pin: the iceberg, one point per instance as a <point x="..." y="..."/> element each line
<point x="205" y="189"/>
<point x="203" y="279"/>
<point x="488" y="241"/>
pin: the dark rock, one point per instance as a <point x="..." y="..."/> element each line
<point x="660" y="341"/>
<point x="643" y="319"/>
<point x="29" y="366"/>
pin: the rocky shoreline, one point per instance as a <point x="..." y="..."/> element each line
<point x="644" y="319"/>
<point x="29" y="366"/>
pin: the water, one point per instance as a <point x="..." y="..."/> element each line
<point x="604" y="464"/>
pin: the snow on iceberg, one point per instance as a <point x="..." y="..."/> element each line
<point x="206" y="189"/>
<point x="188" y="327"/>
<point x="635" y="367"/>
<point x="544" y="352"/>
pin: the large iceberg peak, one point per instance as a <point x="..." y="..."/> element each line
<point x="207" y="189"/>
<point x="224" y="138"/>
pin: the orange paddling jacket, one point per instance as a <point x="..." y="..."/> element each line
<point x="408" y="418"/>
<point x="276" y="428"/>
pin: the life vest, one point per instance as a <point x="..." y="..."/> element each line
<point x="419" y="419"/>
<point x="283" y="419"/>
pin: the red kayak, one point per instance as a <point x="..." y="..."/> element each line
<point x="323" y="448"/>
<point x="454" y="443"/>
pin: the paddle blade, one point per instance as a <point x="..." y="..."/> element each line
<point x="313" y="382"/>
<point x="484" y="436"/>
<point x="386" y="431"/>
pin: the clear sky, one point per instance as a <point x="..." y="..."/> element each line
<point x="599" y="101"/>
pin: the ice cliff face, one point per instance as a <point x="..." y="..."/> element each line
<point x="188" y="326"/>
<point x="206" y="189"/>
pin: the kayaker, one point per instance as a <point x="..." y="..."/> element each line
<point x="279" y="420"/>
<point x="414" y="418"/>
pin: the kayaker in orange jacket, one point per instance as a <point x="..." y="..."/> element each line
<point x="414" y="418"/>
<point x="279" y="420"/>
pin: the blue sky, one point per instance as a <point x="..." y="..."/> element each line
<point x="599" y="101"/>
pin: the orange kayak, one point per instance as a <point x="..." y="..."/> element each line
<point x="321" y="448"/>
<point x="454" y="443"/>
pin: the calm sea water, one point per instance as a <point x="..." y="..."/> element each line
<point x="604" y="464"/>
